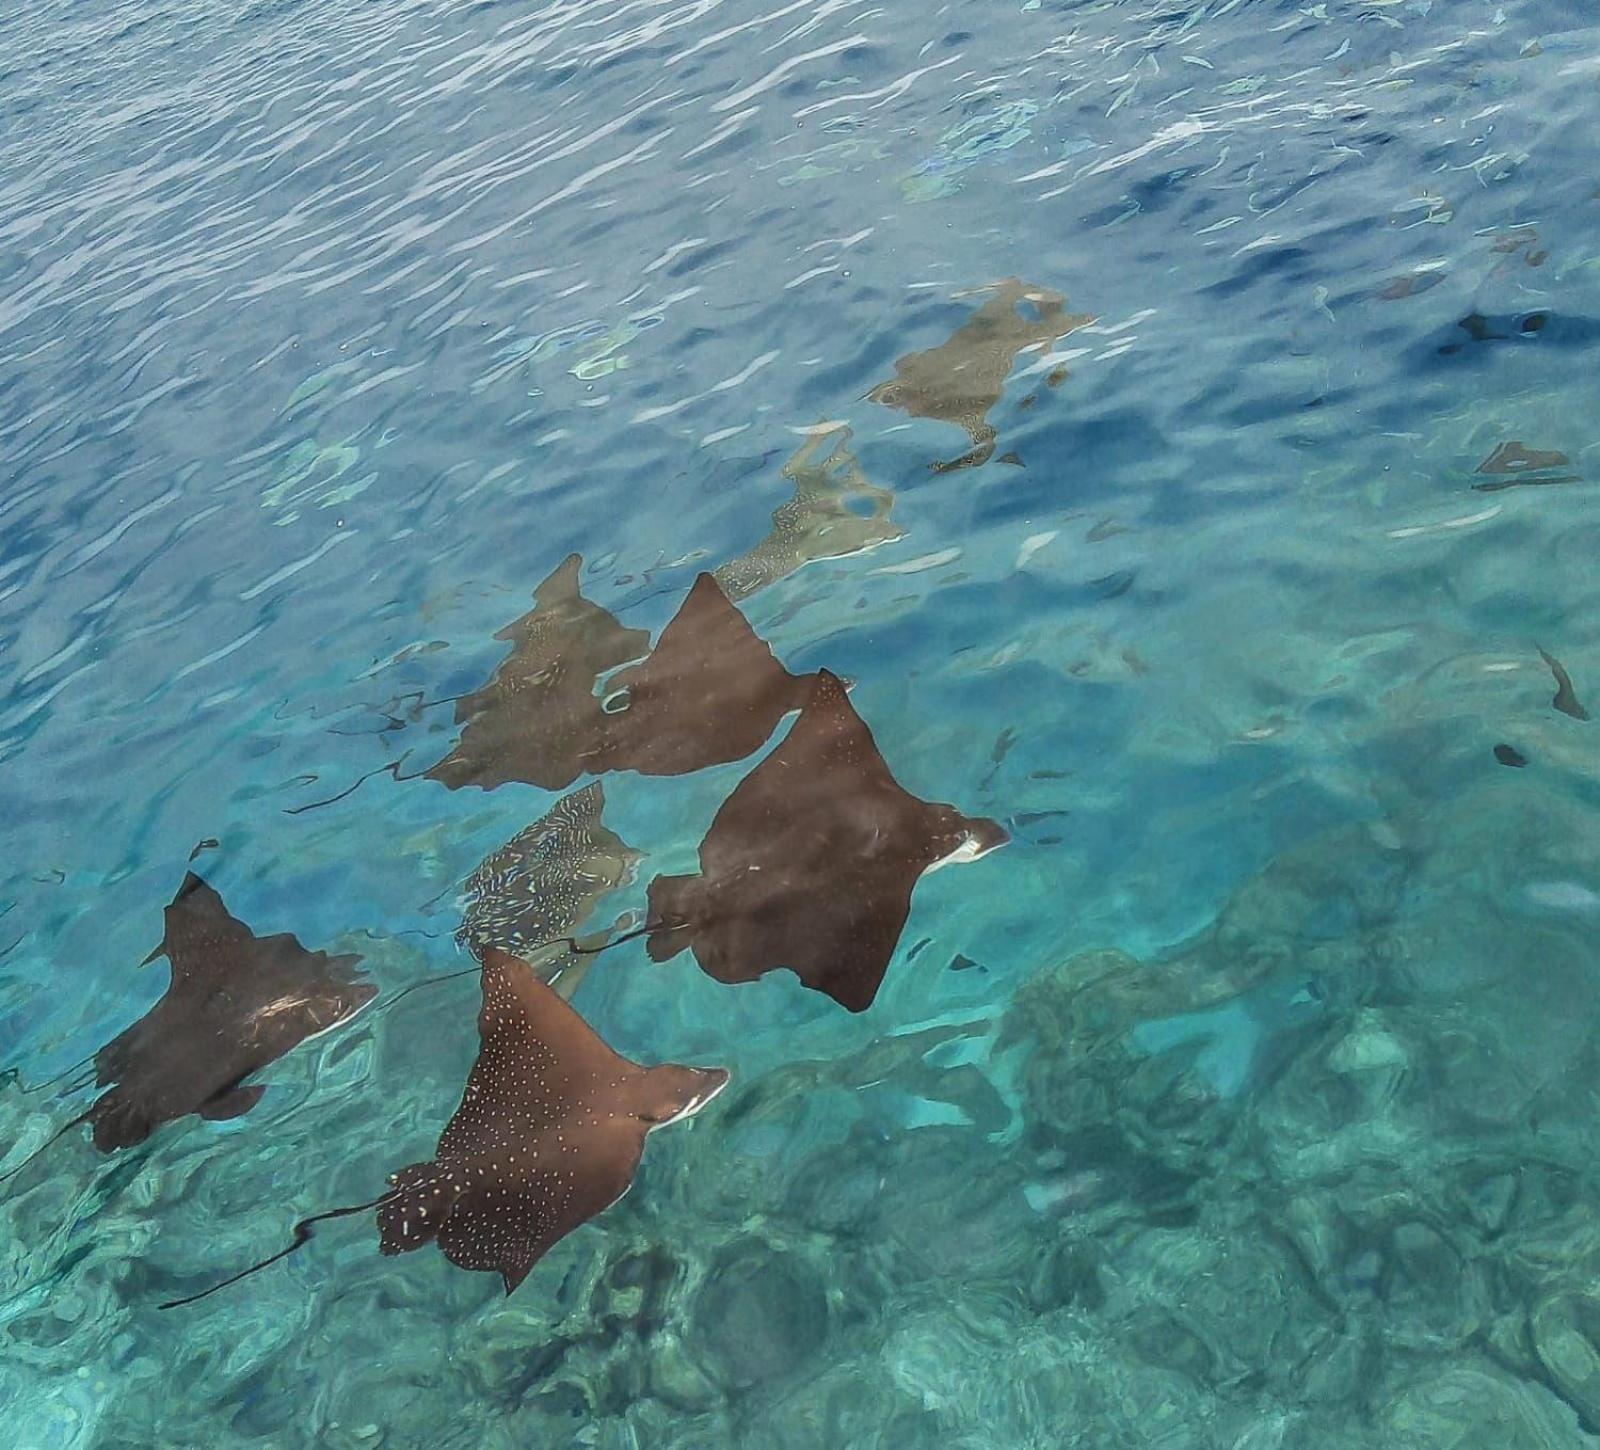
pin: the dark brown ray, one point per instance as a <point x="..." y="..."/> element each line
<point x="811" y="862"/>
<point x="236" y="1002"/>
<point x="963" y="378"/>
<point x="711" y="691"/>
<point x="549" y="1133"/>
<point x="818" y="522"/>
<point x="538" y="719"/>
<point x="1566" y="698"/>
<point x="528" y="897"/>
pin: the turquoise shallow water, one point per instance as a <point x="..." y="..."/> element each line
<point x="1246" y="1098"/>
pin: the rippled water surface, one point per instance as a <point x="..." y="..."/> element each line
<point x="1175" y="423"/>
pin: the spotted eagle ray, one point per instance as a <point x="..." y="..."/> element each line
<point x="549" y="1133"/>
<point x="711" y="691"/>
<point x="538" y="719"/>
<point x="811" y="862"/>
<point x="818" y="522"/>
<point x="236" y="1002"/>
<point x="963" y="378"/>
<point x="528" y="897"/>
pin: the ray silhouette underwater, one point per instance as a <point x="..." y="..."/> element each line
<point x="538" y="720"/>
<point x="1566" y="698"/>
<point x="711" y="691"/>
<point x="962" y="379"/>
<point x="235" y="1003"/>
<point x="549" y="1133"/>
<point x="811" y="862"/>
<point x="530" y="895"/>
<point x="820" y="521"/>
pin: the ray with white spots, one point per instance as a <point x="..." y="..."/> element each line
<point x="531" y="895"/>
<point x="821" y="521"/>
<point x="549" y="1132"/>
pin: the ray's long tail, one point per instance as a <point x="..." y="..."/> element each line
<point x="304" y="1232"/>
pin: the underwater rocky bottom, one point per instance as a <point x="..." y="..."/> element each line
<point x="1321" y="1177"/>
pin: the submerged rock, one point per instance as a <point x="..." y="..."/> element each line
<point x="1066" y="1276"/>
<point x="761" y="1317"/>
<point x="1435" y="1300"/>
<point x="1566" y="1337"/>
<point x="1468" y="1406"/>
<point x="676" y="1379"/>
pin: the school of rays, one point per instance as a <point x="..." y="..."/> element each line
<point x="809" y="866"/>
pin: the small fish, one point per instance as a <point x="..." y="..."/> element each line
<point x="1564" y="896"/>
<point x="1566" y="699"/>
<point x="1023" y="819"/>
<point x="1510" y="755"/>
<point x="1516" y="457"/>
<point x="1514" y="465"/>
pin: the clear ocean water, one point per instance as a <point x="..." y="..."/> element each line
<point x="1227" y="531"/>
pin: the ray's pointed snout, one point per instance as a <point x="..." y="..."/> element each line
<point x="974" y="838"/>
<point x="674" y="1092"/>
<point x="984" y="836"/>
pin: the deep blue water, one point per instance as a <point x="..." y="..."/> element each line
<point x="1245" y="1098"/>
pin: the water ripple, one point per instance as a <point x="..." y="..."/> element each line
<point x="325" y="330"/>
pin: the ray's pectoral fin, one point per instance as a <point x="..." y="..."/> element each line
<point x="119" y="1121"/>
<point x="507" y="1227"/>
<point x="230" y="1103"/>
<point x="491" y="1215"/>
